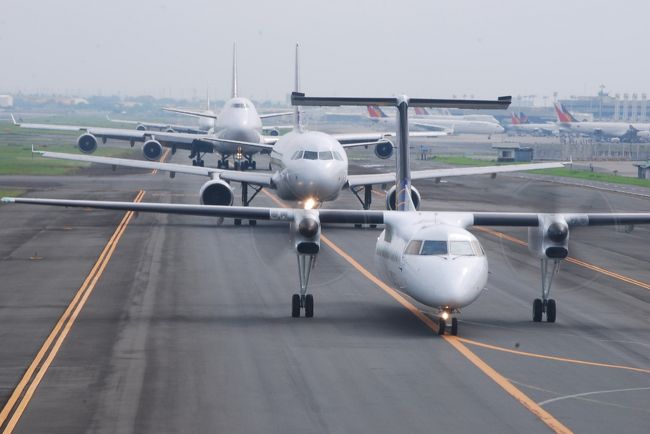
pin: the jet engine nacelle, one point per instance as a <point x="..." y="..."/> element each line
<point x="273" y="132"/>
<point x="391" y="196"/>
<point x="550" y="239"/>
<point x="152" y="150"/>
<point x="384" y="150"/>
<point x="87" y="143"/>
<point x="141" y="127"/>
<point x="216" y="192"/>
<point x="306" y="232"/>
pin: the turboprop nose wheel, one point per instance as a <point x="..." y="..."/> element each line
<point x="546" y="305"/>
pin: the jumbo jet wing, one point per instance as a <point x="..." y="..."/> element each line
<point x="159" y="126"/>
<point x="386" y="178"/>
<point x="257" y="178"/>
<point x="195" y="113"/>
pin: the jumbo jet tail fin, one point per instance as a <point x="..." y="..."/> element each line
<point x="234" y="70"/>
<point x="421" y="111"/>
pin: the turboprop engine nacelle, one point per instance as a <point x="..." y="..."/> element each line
<point x="306" y="232"/>
<point x="391" y="196"/>
<point x="87" y="143"/>
<point x="550" y="239"/>
<point x="216" y="192"/>
<point x="384" y="150"/>
<point x="152" y="150"/>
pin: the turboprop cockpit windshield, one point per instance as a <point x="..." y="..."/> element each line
<point x="453" y="247"/>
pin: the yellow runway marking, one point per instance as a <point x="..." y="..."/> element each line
<point x="555" y="358"/>
<point x="499" y="379"/>
<point x="162" y="160"/>
<point x="575" y="261"/>
<point x="20" y="397"/>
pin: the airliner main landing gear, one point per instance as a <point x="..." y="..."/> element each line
<point x="197" y="157"/>
<point x="366" y="201"/>
<point x="245" y="200"/>
<point x="546" y="305"/>
<point x="223" y="163"/>
<point x="303" y="300"/>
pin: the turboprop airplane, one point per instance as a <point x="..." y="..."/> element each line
<point x="237" y="133"/>
<point x="307" y="167"/>
<point x="431" y="255"/>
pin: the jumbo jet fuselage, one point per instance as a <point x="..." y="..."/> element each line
<point x="239" y="120"/>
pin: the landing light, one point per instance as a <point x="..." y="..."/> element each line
<point x="445" y="315"/>
<point x="310" y="203"/>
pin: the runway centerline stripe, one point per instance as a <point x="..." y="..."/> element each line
<point x="37" y="369"/>
<point x="555" y="358"/>
<point x="499" y="379"/>
<point x="574" y="261"/>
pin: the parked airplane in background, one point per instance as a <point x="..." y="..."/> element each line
<point x="306" y="166"/>
<point x="429" y="255"/>
<point x="237" y="133"/>
<point x="521" y="125"/>
<point x="614" y="131"/>
<point x="436" y="123"/>
<point x="423" y="113"/>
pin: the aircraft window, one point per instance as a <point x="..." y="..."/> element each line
<point x="297" y="155"/>
<point x="337" y="156"/>
<point x="461" y="248"/>
<point x="478" y="250"/>
<point x="413" y="248"/>
<point x="325" y="155"/>
<point x="238" y="105"/>
<point x="431" y="247"/>
<point x="310" y="155"/>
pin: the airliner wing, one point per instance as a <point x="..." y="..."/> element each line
<point x="257" y="178"/>
<point x="386" y="178"/>
<point x="274" y="115"/>
<point x="266" y="146"/>
<point x="159" y="126"/>
<point x="195" y="113"/>
<point x="349" y="140"/>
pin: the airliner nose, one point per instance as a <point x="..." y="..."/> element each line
<point x="321" y="180"/>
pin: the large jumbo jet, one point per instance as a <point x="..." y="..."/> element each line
<point x="306" y="166"/>
<point x="443" y="123"/>
<point x="429" y="255"/>
<point x="614" y="131"/>
<point x="237" y="133"/>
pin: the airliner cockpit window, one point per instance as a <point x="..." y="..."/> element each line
<point x="238" y="105"/>
<point x="337" y="156"/>
<point x="325" y="155"/>
<point x="310" y="155"/>
<point x="413" y="248"/>
<point x="431" y="247"/>
<point x="297" y="155"/>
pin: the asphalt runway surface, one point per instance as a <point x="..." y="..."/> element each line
<point x="183" y="325"/>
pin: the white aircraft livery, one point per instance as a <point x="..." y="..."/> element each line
<point x="431" y="255"/>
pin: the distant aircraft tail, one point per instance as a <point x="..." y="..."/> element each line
<point x="563" y="114"/>
<point x="234" y="70"/>
<point x="514" y="119"/>
<point x="421" y="111"/>
<point x="375" y="112"/>
<point x="523" y="118"/>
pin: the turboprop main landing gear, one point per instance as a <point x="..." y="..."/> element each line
<point x="546" y="305"/>
<point x="303" y="300"/>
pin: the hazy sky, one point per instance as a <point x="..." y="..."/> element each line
<point x="421" y="48"/>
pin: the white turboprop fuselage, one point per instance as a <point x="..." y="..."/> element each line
<point x="308" y="165"/>
<point x="440" y="265"/>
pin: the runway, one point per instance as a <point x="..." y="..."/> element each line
<point x="188" y="326"/>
